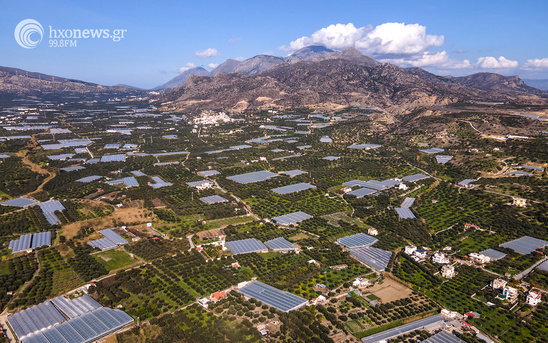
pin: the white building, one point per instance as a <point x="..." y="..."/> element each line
<point x="410" y="249"/>
<point x="510" y="293"/>
<point x="440" y="257"/>
<point x="372" y="231"/>
<point x="403" y="187"/>
<point x="533" y="298"/>
<point x="204" y="185"/>
<point x="320" y="299"/>
<point x="203" y="302"/>
<point x="519" y="202"/>
<point x="420" y="255"/>
<point x="360" y="282"/>
<point x="448" y="271"/>
<point x="479" y="258"/>
<point x="498" y="284"/>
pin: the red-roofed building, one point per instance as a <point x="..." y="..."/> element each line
<point x="218" y="295"/>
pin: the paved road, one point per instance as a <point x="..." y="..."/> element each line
<point x="190" y="241"/>
<point x="402" y="329"/>
<point x="527" y="271"/>
<point x="472" y="125"/>
<point x="4" y="326"/>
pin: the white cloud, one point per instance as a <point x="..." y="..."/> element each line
<point x="213" y="65"/>
<point x="234" y="40"/>
<point x="537" y="63"/>
<point x="188" y="66"/>
<point x="210" y="52"/>
<point x="490" y="62"/>
<point x="385" y="39"/>
<point x="337" y="36"/>
<point x="240" y="59"/>
<point x="438" y="60"/>
<point x="407" y="45"/>
<point x="398" y="39"/>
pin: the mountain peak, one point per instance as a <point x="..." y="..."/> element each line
<point x="258" y="64"/>
<point x="308" y="52"/>
<point x="226" y="67"/>
<point x="180" y="79"/>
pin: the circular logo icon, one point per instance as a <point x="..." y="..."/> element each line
<point x="28" y="33"/>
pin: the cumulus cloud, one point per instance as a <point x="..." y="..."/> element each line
<point x="188" y="66"/>
<point x="397" y="39"/>
<point x="213" y="65"/>
<point x="234" y="40"/>
<point x="537" y="63"/>
<point x="210" y="52"/>
<point x="337" y="36"/>
<point x="490" y="62"/>
<point x="406" y="45"/>
<point x="439" y="60"/>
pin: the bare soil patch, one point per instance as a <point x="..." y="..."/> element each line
<point x="390" y="290"/>
<point x="131" y="216"/>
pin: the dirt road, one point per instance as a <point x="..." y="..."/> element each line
<point x="35" y="167"/>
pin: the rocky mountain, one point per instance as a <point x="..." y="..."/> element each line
<point x="347" y="78"/>
<point x="226" y="67"/>
<point x="349" y="54"/>
<point x="498" y="83"/>
<point x="258" y="64"/>
<point x="17" y="82"/>
<point x="308" y="53"/>
<point x="254" y="65"/>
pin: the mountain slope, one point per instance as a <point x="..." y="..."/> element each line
<point x="226" y="67"/>
<point x="308" y="53"/>
<point x="497" y="83"/>
<point x="252" y="66"/>
<point x="349" y="80"/>
<point x="17" y="82"/>
<point x="258" y="64"/>
<point x="349" y="54"/>
<point x="180" y="79"/>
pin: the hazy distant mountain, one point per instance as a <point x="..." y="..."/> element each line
<point x="347" y="78"/>
<point x="15" y="81"/>
<point x="498" y="83"/>
<point x="308" y="53"/>
<point x="350" y="54"/>
<point x="180" y="79"/>
<point x="258" y="64"/>
<point x="121" y="85"/>
<point x="540" y="84"/>
<point x="226" y="67"/>
<point x="254" y="65"/>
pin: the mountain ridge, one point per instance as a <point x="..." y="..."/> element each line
<point x="16" y="82"/>
<point x="345" y="79"/>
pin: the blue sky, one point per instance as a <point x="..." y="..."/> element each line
<point x="444" y="37"/>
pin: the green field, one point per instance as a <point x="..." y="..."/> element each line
<point x="220" y="223"/>
<point x="115" y="259"/>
